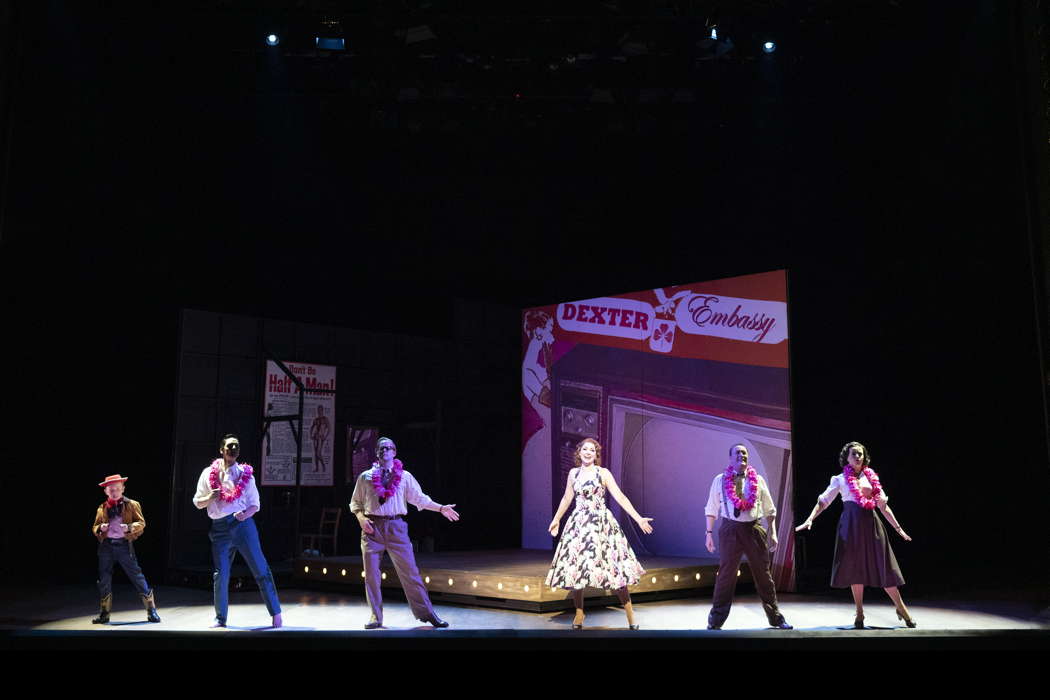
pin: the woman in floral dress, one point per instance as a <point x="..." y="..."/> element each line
<point x="593" y="550"/>
<point x="863" y="556"/>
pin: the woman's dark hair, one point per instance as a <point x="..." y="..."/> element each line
<point x="844" y="454"/>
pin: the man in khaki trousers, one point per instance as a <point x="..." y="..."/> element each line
<point x="380" y="500"/>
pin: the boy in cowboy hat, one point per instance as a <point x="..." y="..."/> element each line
<point x="118" y="522"/>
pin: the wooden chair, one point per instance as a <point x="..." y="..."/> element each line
<point x="327" y="530"/>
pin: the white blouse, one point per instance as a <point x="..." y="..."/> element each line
<point x="839" y="486"/>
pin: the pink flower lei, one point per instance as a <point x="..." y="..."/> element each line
<point x="750" y="492"/>
<point x="377" y="479"/>
<point x="876" y="487"/>
<point x="238" y="488"/>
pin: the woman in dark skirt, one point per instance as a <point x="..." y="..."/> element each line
<point x="863" y="556"/>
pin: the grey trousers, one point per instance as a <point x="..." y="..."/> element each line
<point x="736" y="539"/>
<point x="391" y="535"/>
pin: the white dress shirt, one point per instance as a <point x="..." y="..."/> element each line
<point x="719" y="505"/>
<point x="218" y="508"/>
<point x="366" y="501"/>
<point x="840" y="487"/>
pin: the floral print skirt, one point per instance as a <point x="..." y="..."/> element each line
<point x="593" y="553"/>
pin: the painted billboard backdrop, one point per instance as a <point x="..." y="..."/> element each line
<point x="666" y="380"/>
<point x="281" y="397"/>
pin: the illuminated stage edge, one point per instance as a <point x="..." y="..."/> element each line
<point x="510" y="578"/>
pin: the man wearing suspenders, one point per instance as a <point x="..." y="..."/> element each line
<point x="742" y="498"/>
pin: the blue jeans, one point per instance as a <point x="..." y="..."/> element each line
<point x="118" y="551"/>
<point x="229" y="536"/>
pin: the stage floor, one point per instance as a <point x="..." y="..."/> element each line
<point x="61" y="616"/>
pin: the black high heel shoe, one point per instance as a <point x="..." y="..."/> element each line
<point x="906" y="618"/>
<point x="858" y="622"/>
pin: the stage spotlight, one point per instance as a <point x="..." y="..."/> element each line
<point x="698" y="577"/>
<point x="714" y="33"/>
<point x="499" y="586"/>
<point x="450" y="582"/>
<point x="676" y="578"/>
<point x="653" y="579"/>
<point x="474" y="584"/>
<point x="769" y="47"/>
<point x="362" y="573"/>
<point x="272" y="40"/>
<point x="384" y="576"/>
<point x="324" y="571"/>
<point x="526" y="588"/>
<point x="426" y="579"/>
<point x="344" y="572"/>
<point x="306" y="569"/>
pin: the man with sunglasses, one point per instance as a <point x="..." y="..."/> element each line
<point x="227" y="489"/>
<point x="380" y="499"/>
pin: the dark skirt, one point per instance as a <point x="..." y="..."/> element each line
<point x="862" y="552"/>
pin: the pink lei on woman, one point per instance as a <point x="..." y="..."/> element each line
<point x="876" y="488"/>
<point x="238" y="489"/>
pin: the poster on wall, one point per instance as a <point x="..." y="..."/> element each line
<point x="360" y="450"/>
<point x="666" y="380"/>
<point x="281" y="398"/>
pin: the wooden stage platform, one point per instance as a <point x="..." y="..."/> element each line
<point x="511" y="578"/>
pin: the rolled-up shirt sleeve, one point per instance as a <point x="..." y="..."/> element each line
<point x="830" y="492"/>
<point x="251" y="496"/>
<point x="203" y="495"/>
<point x="766" y="498"/>
<point x="414" y="494"/>
<point x="357" y="501"/>
<point x="713" y="497"/>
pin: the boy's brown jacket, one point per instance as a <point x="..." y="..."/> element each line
<point x="131" y="515"/>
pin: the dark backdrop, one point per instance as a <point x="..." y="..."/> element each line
<point x="151" y="169"/>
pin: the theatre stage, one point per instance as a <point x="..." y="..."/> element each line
<point x="511" y="578"/>
<point x="59" y="617"/>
